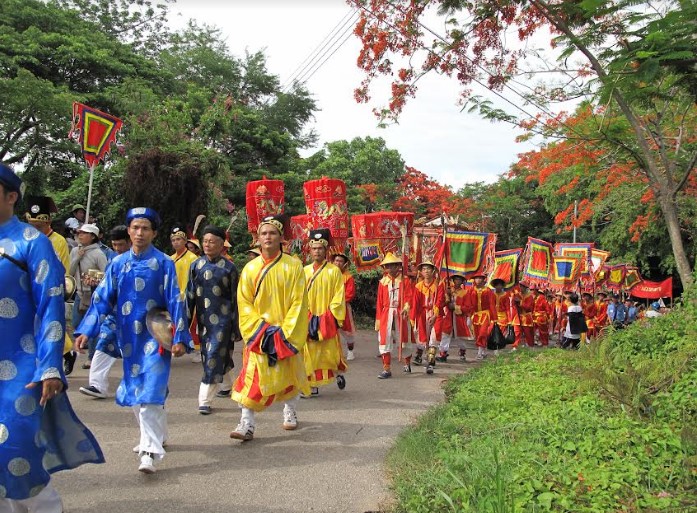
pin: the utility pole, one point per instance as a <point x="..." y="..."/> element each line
<point x="575" y="217"/>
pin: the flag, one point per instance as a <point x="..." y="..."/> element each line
<point x="468" y="253"/>
<point x="378" y="233"/>
<point x="506" y="266"/>
<point x="565" y="272"/>
<point x="598" y="259"/>
<point x="581" y="250"/>
<point x="427" y="243"/>
<point x="536" y="262"/>
<point x="95" y="131"/>
<point x="631" y="277"/>
<point x="615" y="277"/>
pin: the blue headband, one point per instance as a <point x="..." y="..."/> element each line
<point x="10" y="180"/>
<point x="143" y="213"/>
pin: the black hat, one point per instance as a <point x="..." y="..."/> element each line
<point x="214" y="230"/>
<point x="497" y="281"/>
<point x="39" y="208"/>
<point x="178" y="230"/>
<point x="279" y="221"/>
<point x="321" y="236"/>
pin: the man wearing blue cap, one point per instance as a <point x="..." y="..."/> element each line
<point x="136" y="282"/>
<point x="39" y="431"/>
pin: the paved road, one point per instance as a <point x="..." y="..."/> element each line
<point x="333" y="462"/>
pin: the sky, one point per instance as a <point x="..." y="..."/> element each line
<point x="432" y="134"/>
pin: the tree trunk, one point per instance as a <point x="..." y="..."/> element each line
<point x="670" y="214"/>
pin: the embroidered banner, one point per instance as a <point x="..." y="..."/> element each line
<point x="581" y="250"/>
<point x="536" y="262"/>
<point x="468" y="253"/>
<point x="565" y="272"/>
<point x="615" y="277"/>
<point x="300" y="227"/>
<point x="95" y="131"/>
<point x="506" y="266"/>
<point x="264" y="198"/>
<point x="426" y="243"/>
<point x="376" y="234"/>
<point x="631" y="277"/>
<point x="598" y="259"/>
<point x="325" y="203"/>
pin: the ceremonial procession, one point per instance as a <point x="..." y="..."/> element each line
<point x="222" y="290"/>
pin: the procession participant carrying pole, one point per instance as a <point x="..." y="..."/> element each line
<point x="451" y="311"/>
<point x="405" y="264"/>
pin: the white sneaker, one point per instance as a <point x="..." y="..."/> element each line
<point x="196" y="357"/>
<point x="244" y="431"/>
<point x="290" y="419"/>
<point x="350" y="356"/>
<point x="147" y="464"/>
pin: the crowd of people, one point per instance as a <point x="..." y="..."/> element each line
<point x="134" y="303"/>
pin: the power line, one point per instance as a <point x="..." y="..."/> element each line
<point x="346" y="34"/>
<point x="319" y="51"/>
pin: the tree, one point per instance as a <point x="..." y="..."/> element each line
<point x="360" y="162"/>
<point x="617" y="208"/>
<point x="616" y="54"/>
<point x="426" y="197"/>
<point x="50" y="57"/>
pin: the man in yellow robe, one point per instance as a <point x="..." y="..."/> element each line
<point x="40" y="209"/>
<point x="272" y="308"/>
<point x="183" y="258"/>
<point x="324" y="359"/>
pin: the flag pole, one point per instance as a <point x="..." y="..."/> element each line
<point x="89" y="193"/>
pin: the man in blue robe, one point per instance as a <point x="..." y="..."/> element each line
<point x="211" y="296"/>
<point x="135" y="282"/>
<point x="39" y="431"/>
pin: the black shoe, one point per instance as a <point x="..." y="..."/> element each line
<point x="223" y="393"/>
<point x="69" y="360"/>
<point x="443" y="358"/>
<point x="93" y="391"/>
<point x="429" y="369"/>
<point x="384" y="375"/>
<point x="341" y="382"/>
<point x="417" y="359"/>
<point x="205" y="410"/>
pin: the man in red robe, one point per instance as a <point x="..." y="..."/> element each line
<point x="394" y="302"/>
<point x="481" y="307"/>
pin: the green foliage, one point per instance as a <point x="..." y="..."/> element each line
<point x="357" y="162"/>
<point x="608" y="428"/>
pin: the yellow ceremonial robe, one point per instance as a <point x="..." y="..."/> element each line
<point x="60" y="248"/>
<point x="182" y="264"/>
<point x="271" y="292"/>
<point x="324" y="358"/>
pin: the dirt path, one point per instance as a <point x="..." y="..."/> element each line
<point x="332" y="463"/>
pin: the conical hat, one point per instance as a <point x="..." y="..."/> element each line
<point x="391" y="258"/>
<point x="159" y="324"/>
<point x="426" y="262"/>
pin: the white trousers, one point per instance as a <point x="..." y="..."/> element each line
<point x="47" y="501"/>
<point x="248" y="415"/>
<point x="99" y="371"/>
<point x="152" y="420"/>
<point x="207" y="392"/>
<point x="445" y="341"/>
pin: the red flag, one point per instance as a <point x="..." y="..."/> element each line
<point x="95" y="131"/>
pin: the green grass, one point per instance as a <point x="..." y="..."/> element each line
<point x="611" y="428"/>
